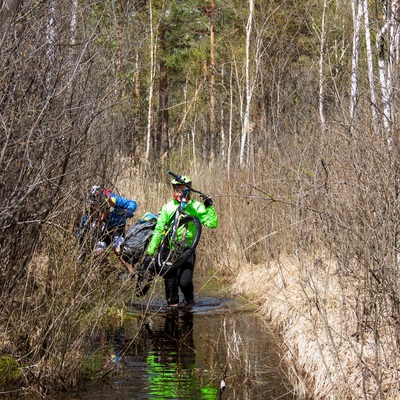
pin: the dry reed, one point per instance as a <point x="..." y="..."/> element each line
<point x="330" y="355"/>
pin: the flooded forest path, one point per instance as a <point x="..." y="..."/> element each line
<point x="218" y="350"/>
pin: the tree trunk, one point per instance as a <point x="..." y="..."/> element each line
<point x="212" y="81"/>
<point x="383" y="79"/>
<point x="223" y="140"/>
<point x="370" y="63"/>
<point x="163" y="114"/>
<point x="246" y="116"/>
<point x="357" y="13"/>
<point x="153" y="52"/>
<point x="321" y="68"/>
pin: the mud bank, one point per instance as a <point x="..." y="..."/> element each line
<point x="315" y="311"/>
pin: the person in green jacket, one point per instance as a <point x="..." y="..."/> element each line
<point x="181" y="278"/>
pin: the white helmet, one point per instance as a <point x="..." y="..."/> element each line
<point x="94" y="194"/>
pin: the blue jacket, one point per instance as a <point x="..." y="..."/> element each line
<point x="118" y="210"/>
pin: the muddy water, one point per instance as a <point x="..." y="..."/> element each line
<point x="218" y="350"/>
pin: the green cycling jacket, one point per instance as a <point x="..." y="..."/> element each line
<point x="207" y="216"/>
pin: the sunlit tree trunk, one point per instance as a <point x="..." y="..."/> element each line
<point x="321" y="67"/>
<point x="370" y="62"/>
<point x="50" y="31"/>
<point x="74" y="11"/>
<point x="161" y="145"/>
<point x="357" y="14"/>
<point x="228" y="159"/>
<point x="246" y="116"/>
<point x="137" y="100"/>
<point x="163" y="113"/>
<point x="397" y="38"/>
<point x="212" y="81"/>
<point x="384" y="77"/>
<point x="393" y="51"/>
<point x="222" y="114"/>
<point x="153" y="52"/>
<point x="137" y="78"/>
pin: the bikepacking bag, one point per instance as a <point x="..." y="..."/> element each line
<point x="138" y="237"/>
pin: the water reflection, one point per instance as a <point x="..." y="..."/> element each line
<point x="184" y="356"/>
<point x="171" y="361"/>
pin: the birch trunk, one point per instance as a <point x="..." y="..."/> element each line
<point x="222" y="116"/>
<point x="153" y="51"/>
<point x="357" y="14"/>
<point x="74" y="12"/>
<point x="50" y="31"/>
<point x="212" y="81"/>
<point x="370" y="63"/>
<point x="246" y="116"/>
<point x="228" y="160"/>
<point x="321" y="68"/>
<point x="383" y="79"/>
<point x="393" y="46"/>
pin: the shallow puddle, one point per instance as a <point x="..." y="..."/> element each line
<point x="218" y="350"/>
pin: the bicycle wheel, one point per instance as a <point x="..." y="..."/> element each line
<point x="173" y="253"/>
<point x="92" y="241"/>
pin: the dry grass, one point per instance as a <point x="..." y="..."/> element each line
<point x="324" y="234"/>
<point x="315" y="311"/>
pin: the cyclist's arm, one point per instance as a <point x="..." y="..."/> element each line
<point x="155" y="241"/>
<point x="207" y="215"/>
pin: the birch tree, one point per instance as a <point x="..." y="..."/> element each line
<point x="153" y="53"/>
<point x="248" y="92"/>
<point x="212" y="80"/>
<point x="371" y="78"/>
<point x="321" y="66"/>
<point x="357" y="14"/>
<point x="387" y="47"/>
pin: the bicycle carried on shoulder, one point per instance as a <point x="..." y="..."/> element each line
<point x="181" y="236"/>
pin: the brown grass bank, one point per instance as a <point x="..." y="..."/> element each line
<point x="317" y="314"/>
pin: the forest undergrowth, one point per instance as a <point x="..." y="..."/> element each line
<point x="315" y="313"/>
<point x="284" y="112"/>
<point x="310" y="235"/>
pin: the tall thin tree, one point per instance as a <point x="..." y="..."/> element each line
<point x="246" y="115"/>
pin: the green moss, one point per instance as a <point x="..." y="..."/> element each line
<point x="9" y="370"/>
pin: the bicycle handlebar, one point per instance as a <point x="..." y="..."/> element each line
<point x="177" y="177"/>
<point x="180" y="180"/>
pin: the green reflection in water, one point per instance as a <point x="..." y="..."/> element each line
<point x="170" y="380"/>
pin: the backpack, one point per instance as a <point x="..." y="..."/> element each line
<point x="138" y="237"/>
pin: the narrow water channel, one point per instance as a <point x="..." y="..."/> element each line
<point x="218" y="350"/>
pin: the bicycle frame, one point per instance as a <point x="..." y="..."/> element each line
<point x="174" y="249"/>
<point x="180" y="210"/>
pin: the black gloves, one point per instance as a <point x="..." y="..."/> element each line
<point x="207" y="200"/>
